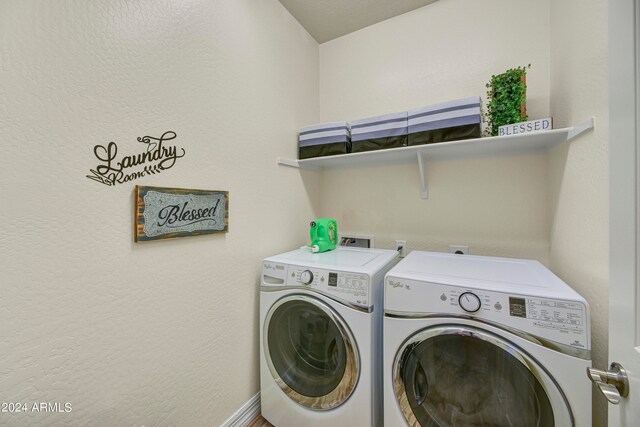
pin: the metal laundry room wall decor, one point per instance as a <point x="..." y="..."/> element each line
<point x="164" y="213"/>
<point x="156" y="156"/>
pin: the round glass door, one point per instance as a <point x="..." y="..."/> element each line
<point x="462" y="376"/>
<point x="310" y="352"/>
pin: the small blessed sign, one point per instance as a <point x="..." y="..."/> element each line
<point x="526" y="127"/>
<point x="164" y="213"/>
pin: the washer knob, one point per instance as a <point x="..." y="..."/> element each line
<point x="469" y="302"/>
<point x="306" y="277"/>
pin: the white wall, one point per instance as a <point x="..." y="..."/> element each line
<point x="159" y="333"/>
<point x="447" y="50"/>
<point x="579" y="182"/>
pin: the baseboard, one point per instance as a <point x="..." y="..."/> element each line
<point x="245" y="414"/>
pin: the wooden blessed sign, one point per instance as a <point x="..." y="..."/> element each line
<point x="164" y="213"/>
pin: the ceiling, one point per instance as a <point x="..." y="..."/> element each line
<point x="329" y="19"/>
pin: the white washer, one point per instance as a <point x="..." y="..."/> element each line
<point x="472" y="341"/>
<point x="321" y="337"/>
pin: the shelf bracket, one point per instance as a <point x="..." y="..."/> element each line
<point x="422" y="168"/>
<point x="580" y="128"/>
<point x="288" y="162"/>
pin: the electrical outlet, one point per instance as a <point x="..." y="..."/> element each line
<point x="460" y="250"/>
<point x="401" y="247"/>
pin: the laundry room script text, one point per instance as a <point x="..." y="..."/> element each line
<point x="157" y="156"/>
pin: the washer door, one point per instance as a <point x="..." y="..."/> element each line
<point x="311" y="352"/>
<point x="453" y="375"/>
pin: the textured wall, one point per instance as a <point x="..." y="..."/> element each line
<point x="160" y="333"/>
<point x="579" y="171"/>
<point x="447" y="50"/>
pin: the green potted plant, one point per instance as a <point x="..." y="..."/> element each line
<point x="507" y="99"/>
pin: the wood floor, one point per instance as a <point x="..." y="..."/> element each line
<point x="259" y="422"/>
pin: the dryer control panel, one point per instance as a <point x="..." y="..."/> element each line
<point x="561" y="321"/>
<point x="353" y="288"/>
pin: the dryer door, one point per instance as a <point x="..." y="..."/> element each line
<point x="453" y="375"/>
<point x="311" y="352"/>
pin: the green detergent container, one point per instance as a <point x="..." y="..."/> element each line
<point x="324" y="234"/>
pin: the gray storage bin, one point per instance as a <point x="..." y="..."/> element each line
<point x="448" y="121"/>
<point x="376" y="133"/>
<point x="324" y="139"/>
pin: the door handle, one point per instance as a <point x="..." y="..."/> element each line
<point x="613" y="384"/>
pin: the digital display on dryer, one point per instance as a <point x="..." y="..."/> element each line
<point x="333" y="279"/>
<point x="517" y="307"/>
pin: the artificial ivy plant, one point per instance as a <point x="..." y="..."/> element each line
<point x="506" y="98"/>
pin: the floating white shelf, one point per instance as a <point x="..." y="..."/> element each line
<point x="526" y="143"/>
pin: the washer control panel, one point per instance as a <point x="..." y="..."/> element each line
<point x="352" y="287"/>
<point x="548" y="313"/>
<point x="561" y="321"/>
<point x="347" y="286"/>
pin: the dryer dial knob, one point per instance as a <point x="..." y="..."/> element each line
<point x="469" y="302"/>
<point x="306" y="277"/>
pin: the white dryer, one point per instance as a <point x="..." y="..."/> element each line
<point x="483" y="341"/>
<point x="321" y="337"/>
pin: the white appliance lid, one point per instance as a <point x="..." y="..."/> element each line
<point x="489" y="273"/>
<point x="342" y="258"/>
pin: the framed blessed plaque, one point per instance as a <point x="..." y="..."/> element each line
<point x="165" y="213"/>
